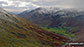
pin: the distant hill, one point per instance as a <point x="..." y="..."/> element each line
<point x="17" y="32"/>
<point x="58" y="17"/>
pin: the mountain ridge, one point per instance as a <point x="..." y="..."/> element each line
<point x="17" y="32"/>
<point x="58" y="17"/>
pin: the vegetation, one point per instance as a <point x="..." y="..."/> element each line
<point x="61" y="31"/>
<point x="17" y="32"/>
<point x="20" y="33"/>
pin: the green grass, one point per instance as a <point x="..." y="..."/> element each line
<point x="61" y="31"/>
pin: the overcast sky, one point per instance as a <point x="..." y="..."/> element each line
<point x="21" y="5"/>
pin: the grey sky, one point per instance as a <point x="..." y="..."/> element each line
<point x="21" y="5"/>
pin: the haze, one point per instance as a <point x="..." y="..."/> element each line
<point x="21" y="5"/>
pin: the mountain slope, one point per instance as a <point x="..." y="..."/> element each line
<point x="57" y="17"/>
<point x="16" y="32"/>
<point x="39" y="16"/>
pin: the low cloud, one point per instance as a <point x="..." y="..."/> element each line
<point x="18" y="5"/>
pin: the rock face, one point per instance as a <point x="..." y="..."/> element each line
<point x="58" y="17"/>
<point x="16" y="32"/>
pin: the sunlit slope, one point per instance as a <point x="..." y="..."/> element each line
<point x="16" y="32"/>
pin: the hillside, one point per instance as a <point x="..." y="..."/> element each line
<point x="58" y="17"/>
<point x="16" y="32"/>
<point x="39" y="16"/>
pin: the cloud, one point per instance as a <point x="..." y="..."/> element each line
<point x="18" y="5"/>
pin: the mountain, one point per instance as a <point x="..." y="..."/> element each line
<point x="15" y="12"/>
<point x="24" y="13"/>
<point x="38" y="16"/>
<point x="17" y="32"/>
<point x="58" y="17"/>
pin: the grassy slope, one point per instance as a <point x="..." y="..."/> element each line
<point x="22" y="34"/>
<point x="61" y="31"/>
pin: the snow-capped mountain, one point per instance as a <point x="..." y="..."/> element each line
<point x="26" y="12"/>
<point x="45" y="15"/>
<point x="58" y="17"/>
